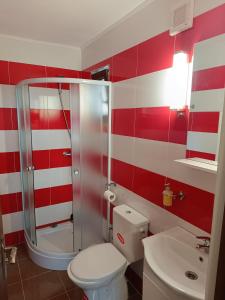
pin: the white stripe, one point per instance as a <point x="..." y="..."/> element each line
<point x="46" y="98"/>
<point x="210" y="53"/>
<point x="156" y="89"/>
<point x="53" y="213"/>
<point x="10" y="183"/>
<point x="202" y="141"/>
<point x="52" y="177"/>
<point x="12" y="222"/>
<point x="41" y="140"/>
<point x="40" y="98"/>
<point x="9" y="141"/>
<point x="159" y="157"/>
<point x="124" y="94"/>
<point x="209" y="100"/>
<point x="7" y="96"/>
<point x="50" y="139"/>
<point x="150" y="90"/>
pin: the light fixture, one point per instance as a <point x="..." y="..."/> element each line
<point x="181" y="77"/>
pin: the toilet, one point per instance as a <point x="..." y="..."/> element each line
<point x="100" y="269"/>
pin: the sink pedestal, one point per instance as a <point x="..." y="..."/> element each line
<point x="155" y="289"/>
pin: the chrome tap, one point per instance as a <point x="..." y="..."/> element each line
<point x="206" y="243"/>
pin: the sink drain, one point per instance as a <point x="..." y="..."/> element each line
<point x="191" y="275"/>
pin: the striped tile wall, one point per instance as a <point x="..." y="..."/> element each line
<point x="52" y="176"/>
<point x="147" y="136"/>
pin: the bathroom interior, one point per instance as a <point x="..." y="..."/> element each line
<point x="112" y="149"/>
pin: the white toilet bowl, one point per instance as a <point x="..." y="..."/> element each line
<point x="99" y="271"/>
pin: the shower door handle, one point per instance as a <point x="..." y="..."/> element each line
<point x="76" y="172"/>
<point x="30" y="168"/>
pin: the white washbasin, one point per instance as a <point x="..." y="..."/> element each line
<point x="171" y="254"/>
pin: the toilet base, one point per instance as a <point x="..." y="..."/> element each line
<point x="114" y="290"/>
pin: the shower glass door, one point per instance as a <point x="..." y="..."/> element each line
<point x="26" y="164"/>
<point x="89" y="115"/>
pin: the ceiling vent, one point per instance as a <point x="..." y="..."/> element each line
<point x="182" y="17"/>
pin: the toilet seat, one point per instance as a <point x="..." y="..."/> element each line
<point x="96" y="265"/>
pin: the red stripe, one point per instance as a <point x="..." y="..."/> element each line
<point x="209" y="24"/>
<point x="123" y="121"/>
<point x="53" y="195"/>
<point x="49" y="119"/>
<point x="11" y="203"/>
<point x="9" y="162"/>
<point x="42" y="159"/>
<point x="21" y="71"/>
<point x="56" y="119"/>
<point x="208" y="79"/>
<point x="125" y="65"/>
<point x="59" y="72"/>
<point x="8" y="119"/>
<point x="39" y="119"/>
<point x="4" y="74"/>
<point x="54" y="158"/>
<point x="155" y="54"/>
<point x="197" y="207"/>
<point x="178" y="127"/>
<point x="204" y="121"/>
<point x="190" y="153"/>
<point x="42" y="197"/>
<point x="14" y="72"/>
<point x="14" y="238"/>
<point x="154" y="123"/>
<point x="61" y="194"/>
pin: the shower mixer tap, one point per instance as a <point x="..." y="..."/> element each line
<point x="67" y="153"/>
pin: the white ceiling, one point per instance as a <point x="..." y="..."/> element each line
<point x="67" y="22"/>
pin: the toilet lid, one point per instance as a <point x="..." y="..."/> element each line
<point x="97" y="262"/>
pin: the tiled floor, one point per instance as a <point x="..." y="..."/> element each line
<point x="28" y="281"/>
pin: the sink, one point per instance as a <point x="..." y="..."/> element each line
<point x="173" y="258"/>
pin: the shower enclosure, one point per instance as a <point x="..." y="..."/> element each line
<point x="54" y="244"/>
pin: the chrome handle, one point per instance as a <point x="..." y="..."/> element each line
<point x="67" y="153"/>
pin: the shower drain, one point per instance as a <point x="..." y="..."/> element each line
<point x="191" y="275"/>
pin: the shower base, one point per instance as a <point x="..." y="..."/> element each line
<point x="54" y="248"/>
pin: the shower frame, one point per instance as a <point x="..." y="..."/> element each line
<point x="58" y="261"/>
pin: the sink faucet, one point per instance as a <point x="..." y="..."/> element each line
<point x="206" y="243"/>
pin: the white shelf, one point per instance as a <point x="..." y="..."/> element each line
<point x="209" y="166"/>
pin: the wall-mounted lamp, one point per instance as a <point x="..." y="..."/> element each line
<point x="181" y="82"/>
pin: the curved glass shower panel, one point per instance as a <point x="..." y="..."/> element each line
<point x="58" y="230"/>
<point x="26" y="163"/>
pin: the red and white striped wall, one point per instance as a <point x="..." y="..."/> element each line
<point x="147" y="136"/>
<point x="52" y="175"/>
